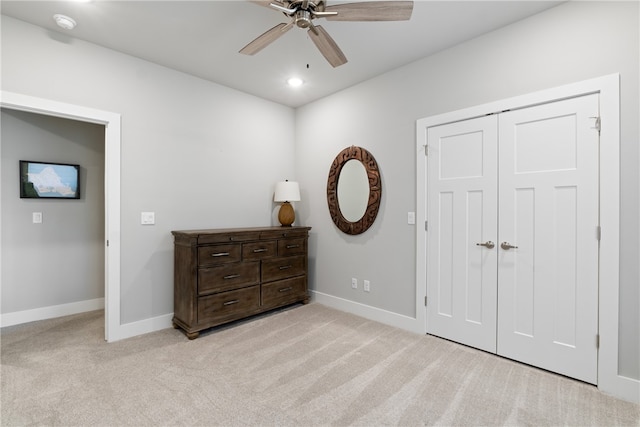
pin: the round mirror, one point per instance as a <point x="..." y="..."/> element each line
<point x="354" y="190"/>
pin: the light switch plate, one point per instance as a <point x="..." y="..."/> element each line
<point x="37" y="217"/>
<point x="147" y="218"/>
<point x="411" y="218"/>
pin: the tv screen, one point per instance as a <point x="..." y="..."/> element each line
<point x="40" y="180"/>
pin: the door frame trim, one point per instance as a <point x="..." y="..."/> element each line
<point x="112" y="124"/>
<point x="608" y="87"/>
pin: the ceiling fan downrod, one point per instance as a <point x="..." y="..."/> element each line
<point x="303" y="11"/>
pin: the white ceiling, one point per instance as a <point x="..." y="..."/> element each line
<point x="202" y="38"/>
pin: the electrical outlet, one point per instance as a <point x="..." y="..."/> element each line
<point x="367" y="286"/>
<point x="354" y="283"/>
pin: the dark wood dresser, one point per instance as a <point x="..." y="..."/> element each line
<point x="228" y="274"/>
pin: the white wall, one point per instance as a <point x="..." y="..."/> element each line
<point x="61" y="260"/>
<point x="198" y="154"/>
<point x="570" y="43"/>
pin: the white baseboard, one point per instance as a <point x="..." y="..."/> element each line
<point x="124" y="331"/>
<point x="621" y="387"/>
<point x="51" y="312"/>
<point x="129" y="330"/>
<point x="372" y="313"/>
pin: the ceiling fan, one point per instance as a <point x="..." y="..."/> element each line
<point x="303" y="12"/>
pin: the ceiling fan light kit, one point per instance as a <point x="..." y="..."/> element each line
<point x="303" y="12"/>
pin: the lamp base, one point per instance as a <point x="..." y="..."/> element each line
<point x="286" y="216"/>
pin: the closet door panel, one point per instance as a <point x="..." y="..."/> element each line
<point x="548" y="210"/>
<point x="462" y="212"/>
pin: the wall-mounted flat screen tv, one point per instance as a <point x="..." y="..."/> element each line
<point x="41" y="180"/>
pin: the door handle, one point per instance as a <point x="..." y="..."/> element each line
<point x="506" y="246"/>
<point x="489" y="244"/>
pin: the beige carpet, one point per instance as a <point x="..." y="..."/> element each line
<point x="306" y="366"/>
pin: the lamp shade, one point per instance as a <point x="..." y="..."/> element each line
<point x="287" y="191"/>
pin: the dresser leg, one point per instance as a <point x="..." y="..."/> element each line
<point x="306" y="300"/>
<point x="193" y="335"/>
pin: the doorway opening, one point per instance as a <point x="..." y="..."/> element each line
<point x="111" y="123"/>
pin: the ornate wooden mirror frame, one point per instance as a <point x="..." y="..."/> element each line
<point x="375" y="190"/>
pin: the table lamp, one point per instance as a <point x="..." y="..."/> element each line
<point x="286" y="191"/>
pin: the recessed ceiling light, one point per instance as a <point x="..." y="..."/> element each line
<point x="64" y="21"/>
<point x="294" y="82"/>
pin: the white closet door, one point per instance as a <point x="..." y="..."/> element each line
<point x="462" y="212"/>
<point x="548" y="208"/>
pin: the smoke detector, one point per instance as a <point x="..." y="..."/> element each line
<point x="64" y="21"/>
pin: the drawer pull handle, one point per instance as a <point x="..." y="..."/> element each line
<point x="285" y="289"/>
<point x="292" y="246"/>
<point x="233" y="301"/>
<point x="220" y="254"/>
<point x="257" y="251"/>
<point x="284" y="267"/>
<point x="231" y="276"/>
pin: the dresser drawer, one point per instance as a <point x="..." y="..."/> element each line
<point x="228" y="305"/>
<point x="283" y="233"/>
<point x="281" y="268"/>
<point x="231" y="237"/>
<point x="219" y="254"/>
<point x="259" y="250"/>
<point x="224" y="277"/>
<point x="288" y="247"/>
<point x="284" y="291"/>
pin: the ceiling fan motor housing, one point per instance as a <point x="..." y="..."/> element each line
<point x="303" y="19"/>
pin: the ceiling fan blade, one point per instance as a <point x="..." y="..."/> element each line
<point x="265" y="39"/>
<point x="327" y="46"/>
<point x="371" y="11"/>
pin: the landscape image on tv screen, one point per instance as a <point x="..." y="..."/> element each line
<point x="49" y="180"/>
